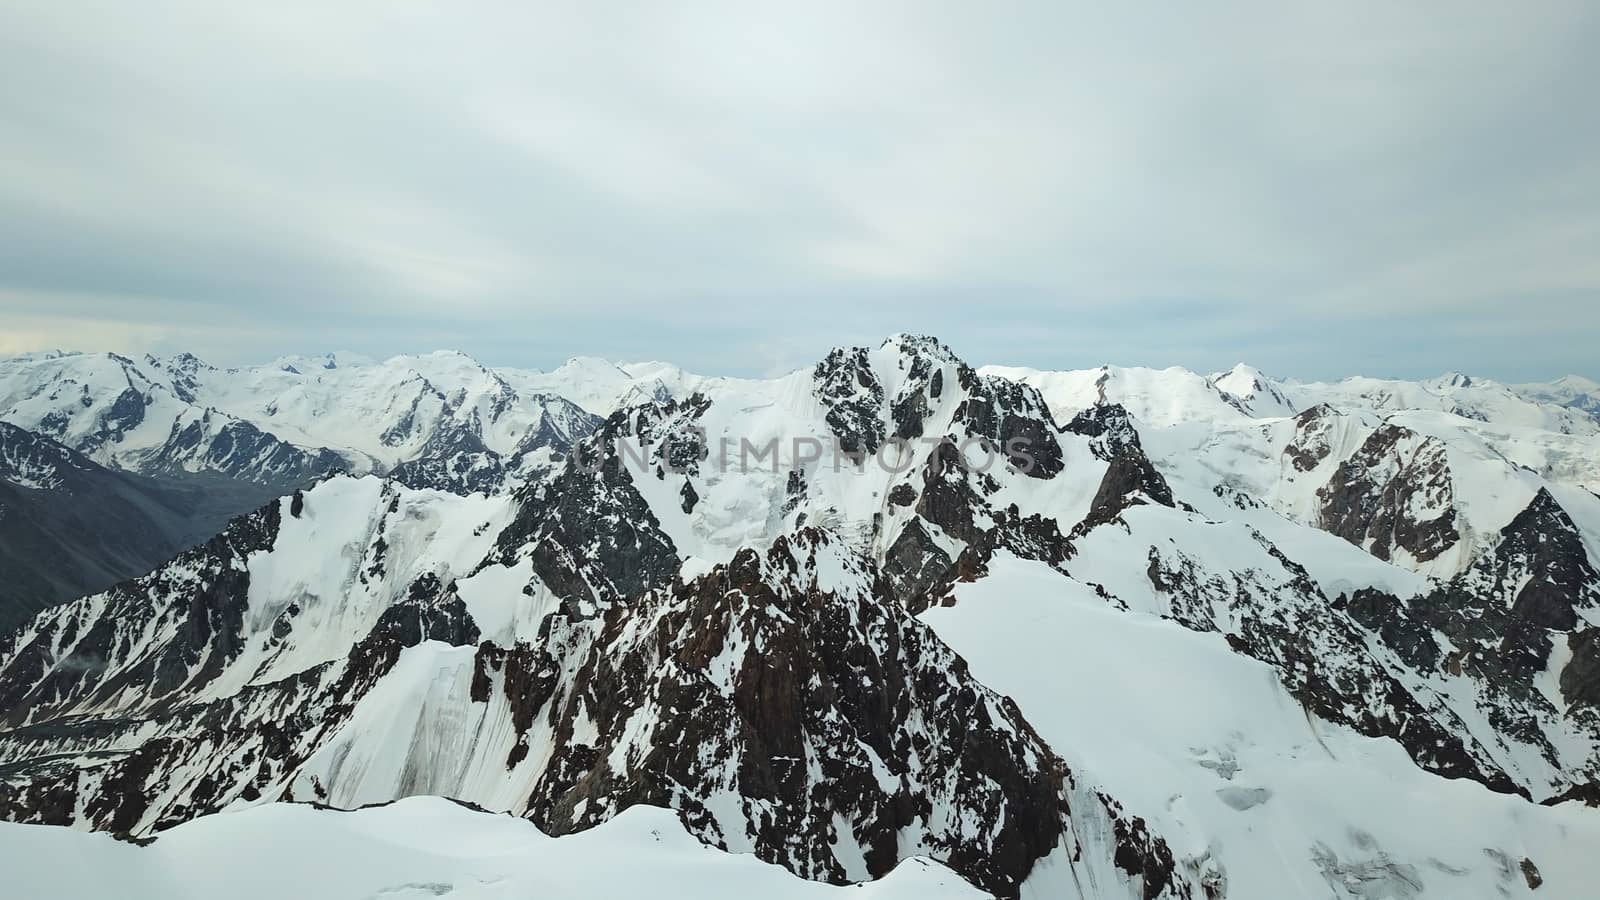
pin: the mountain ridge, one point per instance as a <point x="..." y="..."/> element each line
<point x="793" y="655"/>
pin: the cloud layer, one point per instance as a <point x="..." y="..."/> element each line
<point x="1376" y="187"/>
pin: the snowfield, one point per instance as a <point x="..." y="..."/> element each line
<point x="1209" y="747"/>
<point x="416" y="849"/>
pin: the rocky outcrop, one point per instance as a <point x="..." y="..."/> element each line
<point x="1109" y="427"/>
<point x="849" y="388"/>
<point x="1504" y="615"/>
<point x="1313" y="441"/>
<point x="1130" y="477"/>
<point x="790" y="680"/>
<point x="1279" y="616"/>
<point x="1392" y="495"/>
<point x="589" y="532"/>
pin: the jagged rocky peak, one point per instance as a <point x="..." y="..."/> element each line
<point x="1269" y="608"/>
<point x="1130" y="480"/>
<point x="787" y="678"/>
<point x="1536" y="578"/>
<point x="182" y="372"/>
<point x="280" y="589"/>
<point x="753" y="650"/>
<point x="1541" y="554"/>
<point x="561" y="423"/>
<point x="216" y="442"/>
<point x="181" y="362"/>
<point x="1525" y="605"/>
<point x="783" y="704"/>
<point x="913" y="387"/>
<point x="921" y="345"/>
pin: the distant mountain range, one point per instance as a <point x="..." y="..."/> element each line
<point x="1202" y="637"/>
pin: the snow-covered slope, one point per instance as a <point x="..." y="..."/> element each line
<point x="1260" y="798"/>
<point x="1153" y="396"/>
<point x="415" y="849"/>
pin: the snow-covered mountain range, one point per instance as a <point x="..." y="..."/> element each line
<point x="1101" y="633"/>
<point x="440" y="419"/>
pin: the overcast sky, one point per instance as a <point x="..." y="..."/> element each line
<point x="1321" y="189"/>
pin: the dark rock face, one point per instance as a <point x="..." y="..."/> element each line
<point x="911" y="407"/>
<point x="1110" y="427"/>
<point x="1139" y="853"/>
<point x="125" y="414"/>
<point x="589" y="532"/>
<point x="1530" y="874"/>
<point x="1397" y="625"/>
<point x="1580" y="680"/>
<point x="1542" y="549"/>
<point x="757" y="668"/>
<point x="915" y="564"/>
<point x="1505" y="612"/>
<point x="1392" y="494"/>
<point x="952" y="495"/>
<point x="1130" y="477"/>
<point x="1014" y="421"/>
<point x="846" y="383"/>
<point x="430" y="612"/>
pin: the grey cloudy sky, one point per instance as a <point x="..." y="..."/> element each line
<point x="1317" y="188"/>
